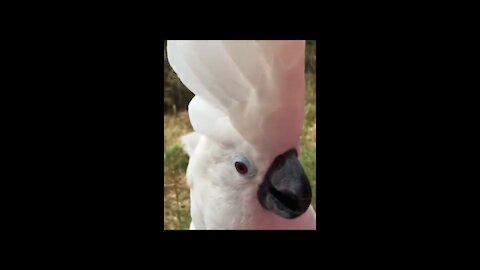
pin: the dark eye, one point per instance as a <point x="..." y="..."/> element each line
<point x="241" y="167"/>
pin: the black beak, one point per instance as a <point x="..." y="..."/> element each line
<point x="285" y="190"/>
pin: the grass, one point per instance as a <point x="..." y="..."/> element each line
<point x="176" y="193"/>
<point x="176" y="123"/>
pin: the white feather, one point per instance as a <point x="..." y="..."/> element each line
<point x="258" y="85"/>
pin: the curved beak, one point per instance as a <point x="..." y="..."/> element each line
<point x="285" y="190"/>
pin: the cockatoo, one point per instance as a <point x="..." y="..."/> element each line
<point x="247" y="115"/>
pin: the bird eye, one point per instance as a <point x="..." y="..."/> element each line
<point x="241" y="167"/>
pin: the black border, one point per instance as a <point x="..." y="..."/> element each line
<point x="98" y="129"/>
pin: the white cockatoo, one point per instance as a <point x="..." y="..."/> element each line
<point x="247" y="116"/>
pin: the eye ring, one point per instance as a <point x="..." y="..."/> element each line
<point x="243" y="165"/>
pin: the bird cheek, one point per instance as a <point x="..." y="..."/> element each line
<point x="258" y="180"/>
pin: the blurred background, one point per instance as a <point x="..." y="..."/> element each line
<point x="176" y="123"/>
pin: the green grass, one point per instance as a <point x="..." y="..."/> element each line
<point x="308" y="160"/>
<point x="176" y="192"/>
<point x="175" y="158"/>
